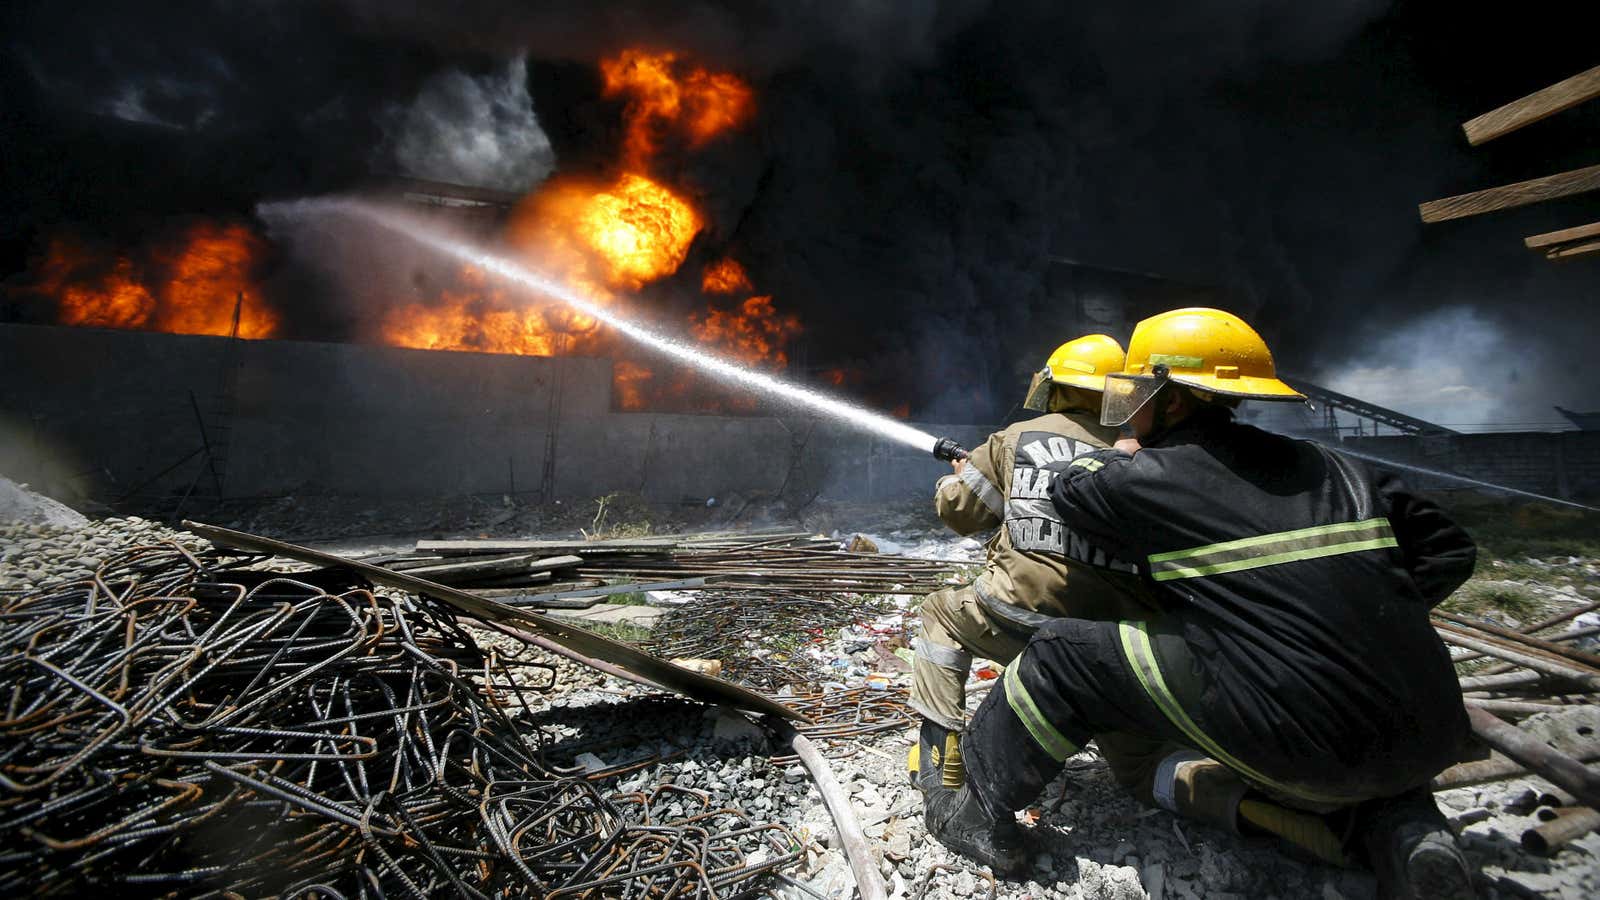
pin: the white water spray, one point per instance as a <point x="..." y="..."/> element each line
<point x="727" y="371"/>
<point x="732" y="373"/>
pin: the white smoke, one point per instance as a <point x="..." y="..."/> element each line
<point x="479" y="131"/>
<point x="1452" y="367"/>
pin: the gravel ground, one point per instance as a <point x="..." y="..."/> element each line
<point x="1090" y="841"/>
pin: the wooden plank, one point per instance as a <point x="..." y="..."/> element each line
<point x="1573" y="251"/>
<point x="1508" y="196"/>
<point x="1565" y="235"/>
<point x="1562" y="95"/>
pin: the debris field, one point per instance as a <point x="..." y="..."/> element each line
<point x="187" y="720"/>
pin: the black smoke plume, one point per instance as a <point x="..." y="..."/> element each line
<point x="914" y="169"/>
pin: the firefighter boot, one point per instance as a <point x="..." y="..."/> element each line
<point x="1200" y="788"/>
<point x="935" y="759"/>
<point x="960" y="820"/>
<point x="1412" y="850"/>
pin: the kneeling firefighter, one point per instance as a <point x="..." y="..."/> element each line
<point x="1036" y="569"/>
<point x="1293" y="665"/>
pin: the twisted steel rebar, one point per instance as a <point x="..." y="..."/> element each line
<point x="179" y="723"/>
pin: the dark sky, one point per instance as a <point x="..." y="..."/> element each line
<point x="912" y="167"/>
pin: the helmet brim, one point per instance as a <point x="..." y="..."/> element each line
<point x="1245" y="387"/>
<point x="1087" y="382"/>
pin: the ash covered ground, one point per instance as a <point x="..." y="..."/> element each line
<point x="1090" y="840"/>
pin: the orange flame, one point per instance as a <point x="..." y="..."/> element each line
<point x="665" y="96"/>
<point x="636" y="230"/>
<point x="208" y="276"/>
<point x="754" y="333"/>
<point x="609" y="240"/>
<point x="725" y="276"/>
<point x="189" y="288"/>
<point x="115" y="300"/>
<point x="480" y="318"/>
<point x="629" y="381"/>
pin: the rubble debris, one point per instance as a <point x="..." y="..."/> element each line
<point x="766" y="639"/>
<point x="692" y="684"/>
<point x="19" y="505"/>
<point x="177" y="723"/>
<point x="1094" y="841"/>
<point x="860" y="543"/>
<point x="869" y="882"/>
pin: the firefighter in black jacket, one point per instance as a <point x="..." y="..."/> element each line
<point x="1292" y="655"/>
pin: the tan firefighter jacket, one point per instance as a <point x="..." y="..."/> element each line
<point x="1037" y="569"/>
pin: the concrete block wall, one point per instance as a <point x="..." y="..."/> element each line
<point x="101" y="412"/>
<point x="1564" y="464"/>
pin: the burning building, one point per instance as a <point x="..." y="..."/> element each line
<point x="816" y="195"/>
<point x="617" y="235"/>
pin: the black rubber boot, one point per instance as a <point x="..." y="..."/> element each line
<point x="1412" y="850"/>
<point x="960" y="820"/>
<point x="935" y="760"/>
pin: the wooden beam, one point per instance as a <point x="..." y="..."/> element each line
<point x="1573" y="251"/>
<point x="1564" y="236"/>
<point x="1509" y="196"/>
<point x="1557" y="97"/>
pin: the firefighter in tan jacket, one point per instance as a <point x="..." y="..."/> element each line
<point x="1036" y="569"/>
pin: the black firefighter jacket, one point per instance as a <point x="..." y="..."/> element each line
<point x="1295" y="585"/>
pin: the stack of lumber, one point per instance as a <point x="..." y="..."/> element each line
<point x="1530" y="674"/>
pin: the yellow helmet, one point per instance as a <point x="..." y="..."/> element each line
<point x="1082" y="363"/>
<point x="1205" y="349"/>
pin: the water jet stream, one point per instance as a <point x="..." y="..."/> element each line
<point x="1460" y="479"/>
<point x="727" y="371"/>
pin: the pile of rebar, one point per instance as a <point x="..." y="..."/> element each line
<point x="793" y="562"/>
<point x="177" y="724"/>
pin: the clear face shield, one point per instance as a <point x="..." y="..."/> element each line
<point x="1038" y="398"/>
<point x="1125" y="395"/>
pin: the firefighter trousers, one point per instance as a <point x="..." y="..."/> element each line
<point x="1077" y="679"/>
<point x="955" y="627"/>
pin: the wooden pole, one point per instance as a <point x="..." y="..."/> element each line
<point x="1562" y="95"/>
<point x="1509" y="196"/>
<point x="1564" y="236"/>
<point x="1554" y="766"/>
<point x="1569" y="823"/>
<point x="1573" y="251"/>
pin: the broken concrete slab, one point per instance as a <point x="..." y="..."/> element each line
<point x="19" y="505"/>
<point x="611" y="614"/>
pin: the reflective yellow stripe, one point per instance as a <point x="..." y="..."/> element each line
<point x="1273" y="549"/>
<point x="1273" y="538"/>
<point x="1085" y="462"/>
<point x="1052" y="741"/>
<point x="1141" y="656"/>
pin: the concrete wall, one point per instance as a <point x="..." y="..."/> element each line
<point x="102" y="413"/>
<point x="1563" y="464"/>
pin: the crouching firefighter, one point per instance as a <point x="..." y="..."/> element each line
<point x="1036" y="570"/>
<point x="1292" y="671"/>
